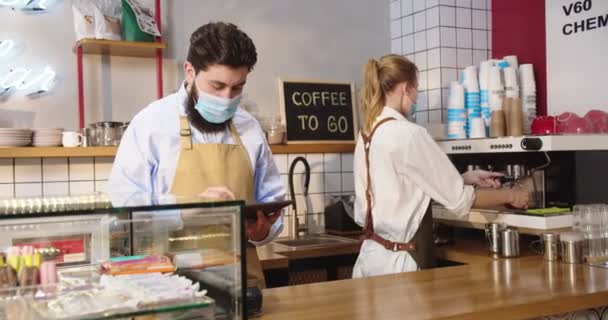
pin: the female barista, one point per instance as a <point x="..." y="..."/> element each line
<point x="398" y="170"/>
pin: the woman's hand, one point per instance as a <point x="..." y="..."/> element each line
<point x="483" y="179"/>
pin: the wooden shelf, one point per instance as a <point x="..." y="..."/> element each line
<point x="56" y="152"/>
<point x="312" y="148"/>
<point x="60" y="152"/>
<point x="119" y="48"/>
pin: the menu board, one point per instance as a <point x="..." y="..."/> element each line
<point x="577" y="47"/>
<point x="317" y="111"/>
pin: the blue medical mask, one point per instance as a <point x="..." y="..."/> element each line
<point x="413" y="109"/>
<point x="216" y="109"/>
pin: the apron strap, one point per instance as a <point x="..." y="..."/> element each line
<point x="234" y="133"/>
<point x="368" y="227"/>
<point x="185" y="133"/>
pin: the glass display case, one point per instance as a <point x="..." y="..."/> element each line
<point x="116" y="256"/>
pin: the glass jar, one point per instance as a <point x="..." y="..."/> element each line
<point x="275" y="132"/>
<point x="108" y="133"/>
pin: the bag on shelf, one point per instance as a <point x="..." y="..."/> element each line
<point x="138" y="23"/>
<point x="97" y="19"/>
<point x="84" y="19"/>
<point x="107" y="19"/>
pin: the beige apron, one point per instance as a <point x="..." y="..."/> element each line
<point x="202" y="165"/>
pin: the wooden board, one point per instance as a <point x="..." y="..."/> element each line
<point x="119" y="48"/>
<point x="318" y="111"/>
<point x="511" y="289"/>
<point x="50" y="152"/>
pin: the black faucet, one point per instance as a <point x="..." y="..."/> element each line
<point x="295" y="225"/>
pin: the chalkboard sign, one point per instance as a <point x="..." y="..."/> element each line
<point x="317" y="112"/>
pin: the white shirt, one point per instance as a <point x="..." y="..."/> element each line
<point x="408" y="169"/>
<point x="147" y="158"/>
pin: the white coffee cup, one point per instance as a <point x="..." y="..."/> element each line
<point x="71" y="139"/>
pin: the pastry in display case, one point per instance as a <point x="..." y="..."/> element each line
<point x="110" y="256"/>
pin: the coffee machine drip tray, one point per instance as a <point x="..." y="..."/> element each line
<point x="477" y="218"/>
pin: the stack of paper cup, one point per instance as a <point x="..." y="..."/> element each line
<point x="502" y="64"/>
<point x="512" y="60"/>
<point x="478" y="128"/>
<point x="511" y="86"/>
<point x="472" y="96"/>
<point x="484" y="83"/>
<point x="528" y="95"/>
<point x="457" y="113"/>
<point x="496" y="93"/>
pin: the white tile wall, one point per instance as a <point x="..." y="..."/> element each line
<point x="103" y="167"/>
<point x="463" y="3"/>
<point x="447" y="76"/>
<point x="315" y="160"/>
<point x="448" y="16"/>
<point x="333" y="182"/>
<point x="407" y="7"/>
<point x="408" y="44"/>
<point x="6" y="171"/>
<point x="434" y="58"/>
<point x="99" y="185"/>
<point x="434" y="79"/>
<point x="432" y="17"/>
<point x="82" y="187"/>
<point x="81" y="169"/>
<point x="348" y="183"/>
<point x="447" y="2"/>
<point x="480" y="39"/>
<point x="448" y="57"/>
<point x="396" y="9"/>
<point x="479" y="19"/>
<point x="55" y="169"/>
<point x="316" y="184"/>
<point x="433" y="38"/>
<point x="419" y="21"/>
<point x="395" y="29"/>
<point x="423" y="100"/>
<point x="463" y="18"/>
<point x="432" y="3"/>
<point x="422" y="82"/>
<point x="479" y="56"/>
<point x="396" y="46"/>
<point x="448" y="37"/>
<point x="464" y="38"/>
<point x="421" y="62"/>
<point x="55" y="188"/>
<point x="479" y="4"/>
<point x="419" y="5"/>
<point x="281" y="161"/>
<point x="28" y="190"/>
<point x="347" y="162"/>
<point x="435" y="99"/>
<point x="435" y="116"/>
<point x="28" y="170"/>
<point x="333" y="162"/>
<point x="7" y="190"/>
<point x="464" y="57"/>
<point x="407" y="25"/>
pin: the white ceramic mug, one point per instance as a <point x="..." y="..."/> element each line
<point x="71" y="139"/>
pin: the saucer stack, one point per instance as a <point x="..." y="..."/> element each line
<point x="11" y="137"/>
<point x="47" y="137"/>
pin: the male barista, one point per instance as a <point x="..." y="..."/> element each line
<point x="199" y="142"/>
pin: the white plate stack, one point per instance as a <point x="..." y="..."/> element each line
<point x="47" y="137"/>
<point x="11" y="137"/>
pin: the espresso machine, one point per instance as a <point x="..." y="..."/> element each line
<point x="558" y="171"/>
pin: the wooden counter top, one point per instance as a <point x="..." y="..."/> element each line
<point x="472" y="250"/>
<point x="270" y="260"/>
<point x="519" y="288"/>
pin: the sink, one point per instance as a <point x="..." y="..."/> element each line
<point x="310" y="241"/>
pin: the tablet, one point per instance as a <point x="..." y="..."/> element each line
<point x="251" y="210"/>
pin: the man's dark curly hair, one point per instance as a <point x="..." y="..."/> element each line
<point x="221" y="43"/>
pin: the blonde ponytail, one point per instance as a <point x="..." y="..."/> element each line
<point x="372" y="97"/>
<point x="379" y="78"/>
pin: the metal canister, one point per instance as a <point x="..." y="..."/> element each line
<point x="571" y="247"/>
<point x="493" y="236"/>
<point x="551" y="246"/>
<point x="509" y="243"/>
